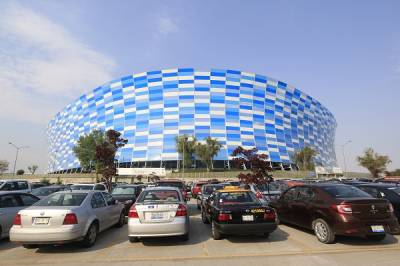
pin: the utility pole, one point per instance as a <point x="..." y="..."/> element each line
<point x="344" y="157"/>
<point x="16" y="155"/>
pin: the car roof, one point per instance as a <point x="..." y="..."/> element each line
<point x="128" y="185"/>
<point x="384" y="185"/>
<point x="162" y="188"/>
<point x="11" y="192"/>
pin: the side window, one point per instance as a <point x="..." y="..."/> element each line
<point x="10" y="186"/>
<point x="372" y="191"/>
<point x="305" y="193"/>
<point x="100" y="187"/>
<point x="109" y="199"/>
<point x="22" y="185"/>
<point x="28" y="200"/>
<point x="290" y="195"/>
<point x="8" y="201"/>
<point x="97" y="201"/>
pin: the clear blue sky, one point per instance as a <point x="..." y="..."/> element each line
<point x="346" y="54"/>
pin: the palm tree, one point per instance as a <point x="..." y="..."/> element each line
<point x="185" y="145"/>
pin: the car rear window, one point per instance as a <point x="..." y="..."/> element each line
<point x="82" y="187"/>
<point x="63" y="199"/>
<point x="170" y="184"/>
<point x="272" y="187"/>
<point x="210" y="189"/>
<point x="124" y="191"/>
<point x="230" y="198"/>
<point x="340" y="192"/>
<point x="159" y="196"/>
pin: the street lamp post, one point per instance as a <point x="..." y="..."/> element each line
<point x="344" y="157"/>
<point x="16" y="155"/>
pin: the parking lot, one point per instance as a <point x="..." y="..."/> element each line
<point x="287" y="245"/>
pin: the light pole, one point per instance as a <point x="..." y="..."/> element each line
<point x="344" y="157"/>
<point x="16" y="155"/>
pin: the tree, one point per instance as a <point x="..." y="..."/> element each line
<point x="374" y="162"/>
<point x="256" y="162"/>
<point x="85" y="150"/>
<point x="33" y="169"/>
<point x="105" y="155"/>
<point x="185" y="146"/>
<point x="3" y="166"/>
<point x="304" y="159"/>
<point x="395" y="172"/>
<point x="20" y="172"/>
<point x="207" y="151"/>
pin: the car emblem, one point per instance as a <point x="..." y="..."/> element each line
<point x="42" y="213"/>
<point x="373" y="210"/>
<point x="247" y="210"/>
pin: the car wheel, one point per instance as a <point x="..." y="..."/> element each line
<point x="133" y="239"/>
<point x="91" y="236"/>
<point x="121" y="220"/>
<point x="30" y="246"/>
<point x="204" y="218"/>
<point x="266" y="235"/>
<point x="323" y="231"/>
<point x="215" y="233"/>
<point x="376" y="237"/>
<point x="278" y="221"/>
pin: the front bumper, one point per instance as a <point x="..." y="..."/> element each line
<point x="179" y="226"/>
<point x="246" y="229"/>
<point x="46" y="235"/>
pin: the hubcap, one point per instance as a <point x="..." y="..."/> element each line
<point x="321" y="231"/>
<point x="92" y="234"/>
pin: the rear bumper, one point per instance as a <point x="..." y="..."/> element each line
<point x="45" y="236"/>
<point x="358" y="228"/>
<point x="179" y="226"/>
<point x="245" y="229"/>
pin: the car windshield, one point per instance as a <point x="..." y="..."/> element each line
<point x="159" y="196"/>
<point x="62" y="199"/>
<point x="82" y="187"/>
<point x="1" y="183"/>
<point x="44" y="191"/>
<point x="207" y="190"/>
<point x="395" y="189"/>
<point x="170" y="184"/>
<point x="346" y="192"/>
<point x="272" y="187"/>
<point x="232" y="198"/>
<point x="124" y="191"/>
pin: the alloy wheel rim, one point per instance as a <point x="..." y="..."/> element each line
<point x="321" y="231"/>
<point x="92" y="234"/>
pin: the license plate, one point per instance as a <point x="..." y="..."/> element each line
<point x="377" y="228"/>
<point x="157" y="215"/>
<point x="248" y="218"/>
<point x="41" y="220"/>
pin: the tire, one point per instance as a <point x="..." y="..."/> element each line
<point x="91" y="236"/>
<point x="376" y="237"/>
<point x="216" y="235"/>
<point x="198" y="207"/>
<point x="185" y="237"/>
<point x="204" y="218"/>
<point x="266" y="235"/>
<point x="121" y="220"/>
<point x="278" y="221"/>
<point x="133" y="239"/>
<point x="323" y="231"/>
<point x="30" y="246"/>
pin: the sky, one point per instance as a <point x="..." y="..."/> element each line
<point x="345" y="54"/>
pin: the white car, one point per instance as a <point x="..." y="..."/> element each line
<point x="158" y="211"/>
<point x="67" y="216"/>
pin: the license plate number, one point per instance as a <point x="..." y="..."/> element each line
<point x="377" y="228"/>
<point x="41" y="220"/>
<point x="248" y="218"/>
<point x="157" y="216"/>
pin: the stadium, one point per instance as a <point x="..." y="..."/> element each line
<point x="238" y="108"/>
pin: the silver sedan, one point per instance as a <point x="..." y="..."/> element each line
<point x="158" y="211"/>
<point x="67" y="216"/>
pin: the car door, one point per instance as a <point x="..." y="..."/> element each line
<point x="284" y="205"/>
<point x="10" y="205"/>
<point x="301" y="207"/>
<point x="99" y="208"/>
<point x="112" y="208"/>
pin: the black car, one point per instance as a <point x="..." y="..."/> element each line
<point x="233" y="211"/>
<point x="126" y="194"/>
<point x="388" y="191"/>
<point x="45" y="191"/>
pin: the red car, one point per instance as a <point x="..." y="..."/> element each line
<point x="197" y="188"/>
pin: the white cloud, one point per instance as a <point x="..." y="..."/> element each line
<point x="43" y="67"/>
<point x="166" y="25"/>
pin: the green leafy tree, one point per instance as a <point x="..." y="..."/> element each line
<point x="304" y="158"/>
<point x="185" y="146"/>
<point x="374" y="162"/>
<point x="20" y="172"/>
<point x="85" y="150"/>
<point x="207" y="151"/>
<point x="3" y="166"/>
<point x="105" y="155"/>
<point x="33" y="169"/>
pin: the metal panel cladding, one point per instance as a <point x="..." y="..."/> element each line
<point x="238" y="108"/>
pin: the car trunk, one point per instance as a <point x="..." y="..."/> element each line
<point x="245" y="213"/>
<point x="157" y="212"/>
<point x="48" y="217"/>
<point x="368" y="208"/>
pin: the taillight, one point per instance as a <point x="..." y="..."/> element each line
<point x="17" y="220"/>
<point x="259" y="195"/>
<point x="270" y="215"/>
<point x="181" y="211"/>
<point x="390" y="208"/>
<point x="70" y="218"/>
<point x="224" y="217"/>
<point x="343" y="208"/>
<point x="133" y="212"/>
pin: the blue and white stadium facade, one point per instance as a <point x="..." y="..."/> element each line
<point x="238" y="108"/>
